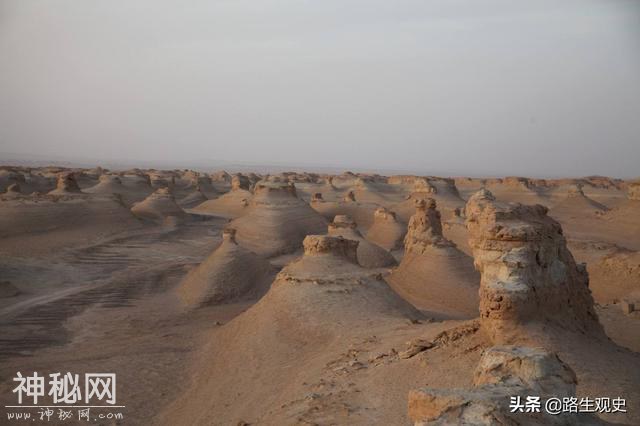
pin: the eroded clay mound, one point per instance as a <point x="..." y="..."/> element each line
<point x="433" y="274"/>
<point x="229" y="273"/>
<point x="193" y="198"/>
<point x="369" y="255"/>
<point x="362" y="213"/>
<point x="529" y="277"/>
<point x="107" y="184"/>
<point x="158" y="206"/>
<point x="231" y="205"/>
<point x="277" y="220"/>
<point x="66" y="185"/>
<point x="386" y="231"/>
<point x="307" y="308"/>
<point x="503" y="373"/>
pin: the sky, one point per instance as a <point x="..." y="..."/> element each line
<point x="454" y="87"/>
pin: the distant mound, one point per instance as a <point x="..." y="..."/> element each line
<point x="107" y="184"/>
<point x="434" y="275"/>
<point x="66" y="185"/>
<point x="369" y="255"/>
<point x="230" y="272"/>
<point x="386" y="231"/>
<point x="158" y="206"/>
<point x="194" y="198"/>
<point x="231" y="205"/>
<point x="362" y="213"/>
<point x="277" y="220"/>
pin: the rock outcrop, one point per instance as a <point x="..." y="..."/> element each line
<point x="529" y="280"/>
<point x="229" y="273"/>
<point x="504" y="373"/>
<point x="433" y="274"/>
<point x="386" y="231"/>
<point x="369" y="255"/>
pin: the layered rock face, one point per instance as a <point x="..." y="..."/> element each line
<point x="230" y="272"/>
<point x="433" y="274"/>
<point x="386" y="231"/>
<point x="66" y="184"/>
<point x="503" y="373"/>
<point x="529" y="277"/>
<point x="369" y="255"/>
<point x="158" y="206"/>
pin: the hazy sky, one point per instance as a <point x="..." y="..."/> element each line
<point x="437" y="86"/>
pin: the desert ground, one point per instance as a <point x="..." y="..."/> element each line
<point x="313" y="299"/>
